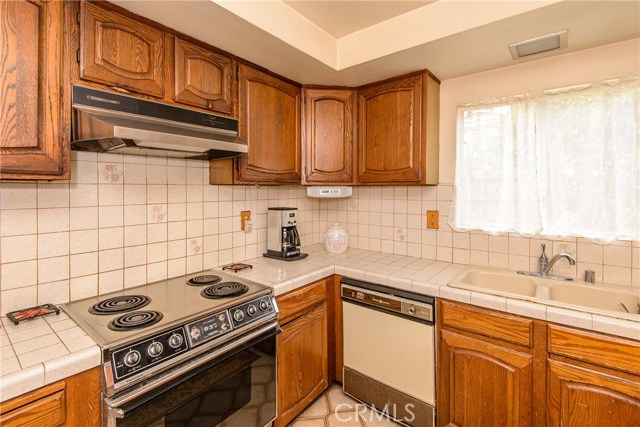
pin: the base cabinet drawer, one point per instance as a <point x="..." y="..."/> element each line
<point x="73" y="402"/>
<point x="41" y="408"/>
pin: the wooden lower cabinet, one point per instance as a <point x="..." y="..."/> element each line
<point x="483" y="384"/>
<point x="556" y="375"/>
<point x="303" y="368"/>
<point x="303" y="348"/>
<point x="581" y="397"/>
<point x="74" y="401"/>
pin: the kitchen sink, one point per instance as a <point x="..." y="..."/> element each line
<point x="500" y="282"/>
<point x="594" y="297"/>
<point x="598" y="297"/>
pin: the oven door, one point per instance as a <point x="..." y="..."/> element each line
<point x="232" y="385"/>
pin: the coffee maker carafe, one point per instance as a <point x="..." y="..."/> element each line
<point x="283" y="240"/>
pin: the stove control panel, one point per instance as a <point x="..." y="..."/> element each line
<point x="251" y="311"/>
<point x="208" y="328"/>
<point x="138" y="357"/>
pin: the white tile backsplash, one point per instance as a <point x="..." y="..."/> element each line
<point x="374" y="214"/>
<point x="127" y="220"/>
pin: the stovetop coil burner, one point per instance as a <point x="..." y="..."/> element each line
<point x="205" y="279"/>
<point x="224" y="290"/>
<point x="119" y="304"/>
<point x="135" y="320"/>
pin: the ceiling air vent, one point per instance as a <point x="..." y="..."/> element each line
<point x="539" y="44"/>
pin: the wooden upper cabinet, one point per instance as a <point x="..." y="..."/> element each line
<point x="34" y="109"/>
<point x="329" y="145"/>
<point x="398" y="131"/>
<point x="120" y="52"/>
<point x="269" y="121"/>
<point x="203" y="78"/>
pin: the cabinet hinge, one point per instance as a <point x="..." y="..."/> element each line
<point x="78" y="56"/>
<point x="78" y="17"/>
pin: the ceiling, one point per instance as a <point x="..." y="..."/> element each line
<point x="340" y="18"/>
<point x="356" y="42"/>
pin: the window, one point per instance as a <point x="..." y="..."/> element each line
<point x="559" y="163"/>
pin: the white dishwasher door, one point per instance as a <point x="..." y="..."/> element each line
<point x="390" y="349"/>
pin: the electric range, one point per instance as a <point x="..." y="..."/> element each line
<point x="160" y="341"/>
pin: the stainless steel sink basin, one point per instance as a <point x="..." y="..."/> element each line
<point x="594" y="297"/>
<point x="500" y="282"/>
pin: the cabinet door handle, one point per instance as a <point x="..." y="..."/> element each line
<point x="119" y="89"/>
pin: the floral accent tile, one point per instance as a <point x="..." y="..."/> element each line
<point x="194" y="247"/>
<point x="111" y="173"/>
<point x="157" y="213"/>
<point x="401" y="234"/>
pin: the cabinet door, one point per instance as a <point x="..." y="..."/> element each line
<point x="203" y="78"/>
<point x="120" y="52"/>
<point x="270" y="124"/>
<point x="391" y="141"/>
<point x="34" y="111"/>
<point x="329" y="128"/>
<point x="579" y="397"/>
<point x="482" y="384"/>
<point x="303" y="368"/>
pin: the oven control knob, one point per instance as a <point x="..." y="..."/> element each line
<point x="155" y="349"/>
<point x="412" y="310"/>
<point x="132" y="358"/>
<point x="175" y="341"/>
<point x="238" y="315"/>
<point x="264" y="306"/>
<point x="252" y="310"/>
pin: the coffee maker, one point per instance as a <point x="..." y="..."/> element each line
<point x="283" y="240"/>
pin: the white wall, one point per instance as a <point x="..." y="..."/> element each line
<point x="595" y="64"/>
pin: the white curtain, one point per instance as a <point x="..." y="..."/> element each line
<point x="559" y="163"/>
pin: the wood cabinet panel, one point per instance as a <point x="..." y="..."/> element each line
<point x="269" y="121"/>
<point x="393" y="117"/>
<point x="203" y="78"/>
<point x="120" y="52"/>
<point x="296" y="302"/>
<point x="488" y="323"/>
<point x="580" y="397"/>
<point x="481" y="384"/>
<point x="75" y="401"/>
<point x="302" y="363"/>
<point x="617" y="353"/>
<point x="34" y="129"/>
<point x="329" y="142"/>
<point x="44" y="407"/>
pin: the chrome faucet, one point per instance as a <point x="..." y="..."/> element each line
<point x="546" y="265"/>
<point x="554" y="259"/>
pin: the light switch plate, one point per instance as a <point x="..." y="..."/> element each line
<point x="433" y="220"/>
<point x="244" y="216"/>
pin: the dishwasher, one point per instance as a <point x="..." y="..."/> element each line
<point x="389" y="350"/>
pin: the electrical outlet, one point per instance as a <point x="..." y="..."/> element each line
<point x="244" y="216"/>
<point x="433" y="220"/>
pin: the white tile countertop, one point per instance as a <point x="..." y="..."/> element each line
<point x="42" y="351"/>
<point x="428" y="277"/>
<point x="45" y="350"/>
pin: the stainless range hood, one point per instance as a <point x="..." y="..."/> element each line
<point x="113" y="123"/>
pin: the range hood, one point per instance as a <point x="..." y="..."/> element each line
<point x="113" y="123"/>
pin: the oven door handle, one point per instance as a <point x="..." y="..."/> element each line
<point x="116" y="405"/>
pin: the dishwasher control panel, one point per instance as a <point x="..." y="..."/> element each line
<point x="420" y="310"/>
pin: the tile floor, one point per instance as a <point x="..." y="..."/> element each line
<point x="335" y="409"/>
